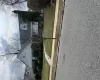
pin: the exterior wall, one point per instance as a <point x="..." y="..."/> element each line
<point x="29" y="74"/>
<point x="25" y="31"/>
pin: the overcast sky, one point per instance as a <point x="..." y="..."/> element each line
<point x="3" y="23"/>
<point x="9" y="22"/>
<point x="10" y="67"/>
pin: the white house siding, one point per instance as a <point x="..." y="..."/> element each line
<point x="26" y="55"/>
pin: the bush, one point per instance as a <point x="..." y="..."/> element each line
<point x="38" y="76"/>
<point x="37" y="4"/>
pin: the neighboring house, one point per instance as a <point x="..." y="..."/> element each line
<point x="25" y="55"/>
<point x="25" y="32"/>
<point x="27" y="29"/>
<point x="27" y="26"/>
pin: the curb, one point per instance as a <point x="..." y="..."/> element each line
<point x="54" y="35"/>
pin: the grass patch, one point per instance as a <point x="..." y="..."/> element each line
<point x="48" y="32"/>
<point x="45" y="71"/>
<point x="49" y="14"/>
<point x="48" y="27"/>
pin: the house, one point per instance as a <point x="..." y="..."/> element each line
<point x="31" y="42"/>
<point x="27" y="29"/>
<point x="27" y="26"/>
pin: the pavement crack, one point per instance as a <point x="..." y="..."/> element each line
<point x="64" y="56"/>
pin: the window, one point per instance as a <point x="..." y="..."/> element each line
<point x="23" y="26"/>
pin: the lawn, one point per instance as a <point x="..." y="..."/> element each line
<point x="49" y="13"/>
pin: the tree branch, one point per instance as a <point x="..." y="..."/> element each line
<point x="16" y="2"/>
<point x="22" y="1"/>
<point x="12" y="3"/>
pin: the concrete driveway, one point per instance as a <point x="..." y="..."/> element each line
<point x="79" y="55"/>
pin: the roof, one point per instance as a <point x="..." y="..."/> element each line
<point x="24" y="46"/>
<point x="25" y="54"/>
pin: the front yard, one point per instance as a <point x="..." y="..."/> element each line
<point x="49" y="13"/>
<point x="49" y="17"/>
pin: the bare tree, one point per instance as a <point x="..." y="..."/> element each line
<point x="11" y="2"/>
<point x="14" y="45"/>
<point x="11" y="45"/>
